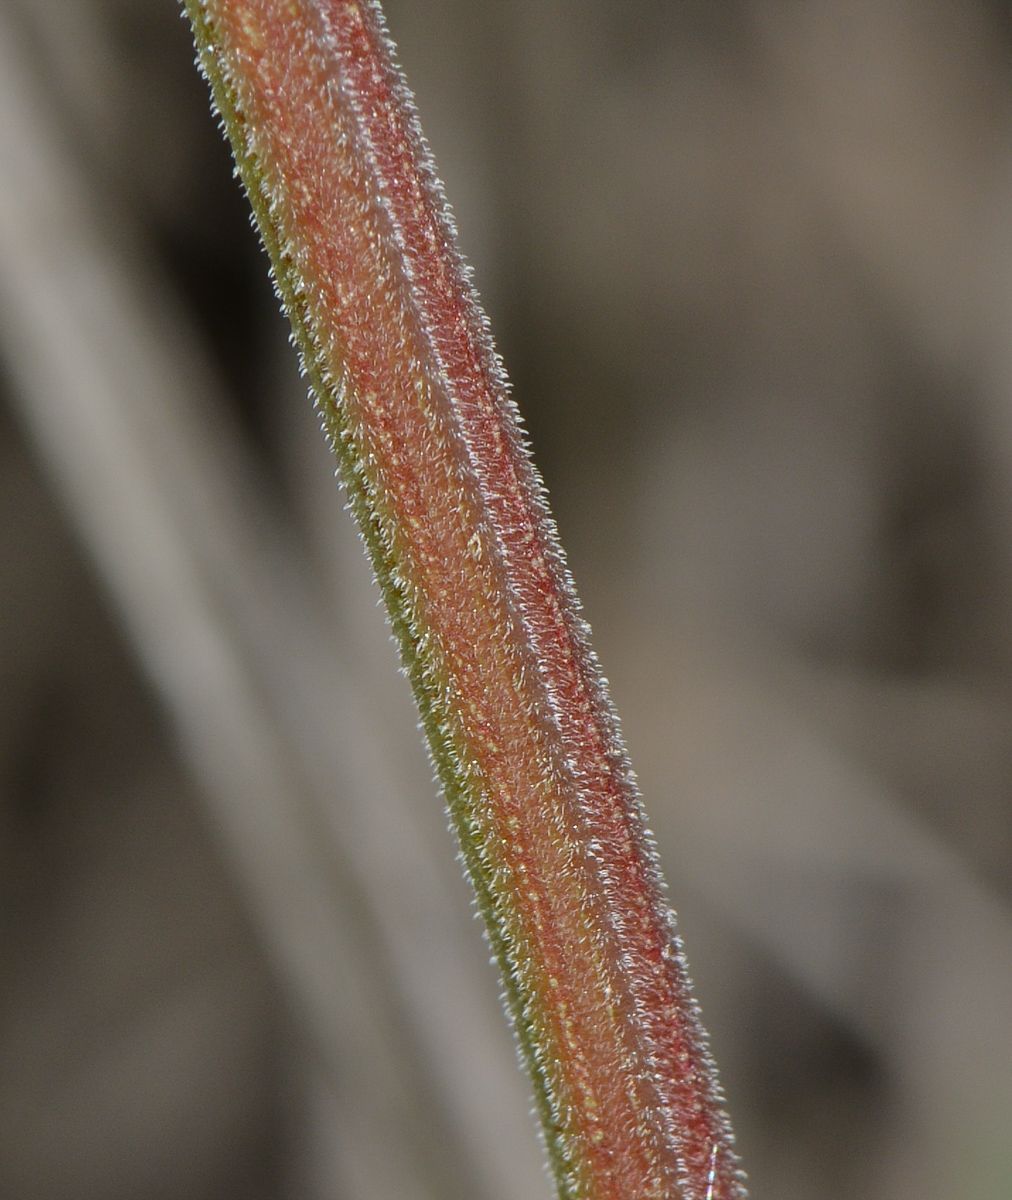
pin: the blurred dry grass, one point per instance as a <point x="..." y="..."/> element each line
<point x="750" y="267"/>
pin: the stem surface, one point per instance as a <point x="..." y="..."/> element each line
<point x="455" y="521"/>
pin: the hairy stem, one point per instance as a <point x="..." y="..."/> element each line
<point x="455" y="521"/>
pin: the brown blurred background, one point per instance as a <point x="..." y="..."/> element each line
<point x="750" y="266"/>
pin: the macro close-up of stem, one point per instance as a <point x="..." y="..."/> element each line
<point x="310" y="765"/>
<point x="454" y="519"/>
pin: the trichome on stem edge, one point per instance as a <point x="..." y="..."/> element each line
<point x="456" y="524"/>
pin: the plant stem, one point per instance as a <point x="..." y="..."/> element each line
<point x="455" y="521"/>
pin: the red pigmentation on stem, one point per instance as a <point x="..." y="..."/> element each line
<point x="454" y="518"/>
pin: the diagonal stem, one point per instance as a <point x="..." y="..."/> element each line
<point x="455" y="521"/>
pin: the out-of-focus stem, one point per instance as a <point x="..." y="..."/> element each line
<point x="455" y="521"/>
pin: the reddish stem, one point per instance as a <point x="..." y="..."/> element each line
<point x="454" y="518"/>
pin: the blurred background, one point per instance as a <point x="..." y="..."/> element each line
<point x="750" y="267"/>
